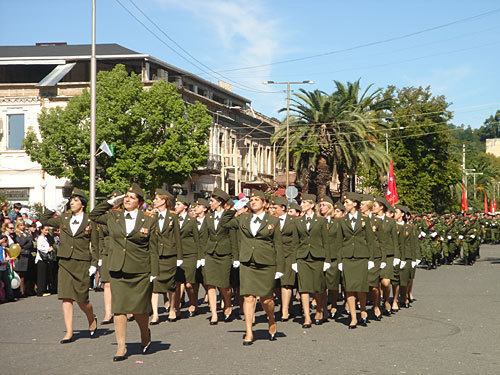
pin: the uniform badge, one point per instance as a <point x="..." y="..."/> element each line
<point x="374" y="228"/>
<point x="170" y="223"/>
<point x="144" y="232"/>
<point x="88" y="228"/>
<point x="270" y="227"/>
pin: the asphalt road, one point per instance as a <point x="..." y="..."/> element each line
<point x="452" y="328"/>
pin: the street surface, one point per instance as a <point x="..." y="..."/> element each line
<point x="452" y="328"/>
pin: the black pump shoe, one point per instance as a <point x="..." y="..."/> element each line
<point x="92" y="332"/>
<point x="145" y="348"/>
<point x="118" y="358"/>
<point x="66" y="341"/>
<point x="363" y="322"/>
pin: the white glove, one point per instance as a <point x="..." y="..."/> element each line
<point x="396" y="261"/>
<point x="382" y="265"/>
<point x="202" y="262"/>
<point x="92" y="270"/>
<point x="441" y="239"/>
<point x="460" y="237"/>
<point x="449" y="237"/>
<point x="433" y="234"/>
<point x="99" y="262"/>
<point x="326" y="266"/>
<point x="179" y="262"/>
<point x="339" y="266"/>
<point x="116" y="200"/>
<point x="371" y="264"/>
<point x="472" y="236"/>
<point x="236" y="264"/>
<point x="486" y="223"/>
<point x="422" y="234"/>
<point x="38" y="224"/>
<point x="61" y="205"/>
<point x="402" y="265"/>
<point x="278" y="275"/>
<point x="198" y="263"/>
<point x="294" y="267"/>
<point x="418" y="261"/>
<point x="151" y="278"/>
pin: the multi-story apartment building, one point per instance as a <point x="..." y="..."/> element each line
<point x="49" y="74"/>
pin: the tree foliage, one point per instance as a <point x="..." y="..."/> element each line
<point x="156" y="138"/>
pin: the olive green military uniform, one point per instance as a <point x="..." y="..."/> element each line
<point x="289" y="278"/>
<point x="261" y="256"/>
<point x="76" y="254"/>
<point x="379" y="257"/>
<point x="202" y="238"/>
<point x="103" y="252"/>
<point x="169" y="250"/>
<point x="189" y="234"/>
<point x="332" y="274"/>
<point x="387" y="238"/>
<point x="133" y="258"/>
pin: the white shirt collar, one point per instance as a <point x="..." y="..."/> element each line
<point x="132" y="213"/>
<point x="382" y="217"/>
<point x="283" y="217"/>
<point x="78" y="217"/>
<point x="163" y="214"/>
<point x="183" y="215"/>
<point x="218" y="214"/>
<point x="400" y="223"/>
<point x="260" y="216"/>
<point x="309" y="217"/>
<point x="355" y="216"/>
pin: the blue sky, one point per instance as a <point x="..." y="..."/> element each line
<point x="460" y="61"/>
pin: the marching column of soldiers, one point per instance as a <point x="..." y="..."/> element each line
<point x="337" y="258"/>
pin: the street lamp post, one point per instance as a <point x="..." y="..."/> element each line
<point x="287" y="120"/>
<point x="92" y="112"/>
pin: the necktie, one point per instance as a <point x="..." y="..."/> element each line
<point x="257" y="220"/>
<point x="181" y="219"/>
<point x="128" y="216"/>
<point x="161" y="217"/>
<point x="282" y="219"/>
<point x="216" y="218"/>
<point x="308" y="219"/>
<point x="75" y="222"/>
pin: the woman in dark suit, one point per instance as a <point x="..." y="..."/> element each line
<point x="133" y="263"/>
<point x="220" y="254"/>
<point x="356" y="256"/>
<point x="312" y="258"/>
<point x="186" y="271"/>
<point x="26" y="265"/>
<point x="261" y="259"/>
<point x="169" y="253"/>
<point x="77" y="260"/>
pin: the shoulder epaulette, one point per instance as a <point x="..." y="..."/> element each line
<point x="117" y="209"/>
<point x="148" y="214"/>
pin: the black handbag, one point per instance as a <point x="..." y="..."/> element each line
<point x="47" y="257"/>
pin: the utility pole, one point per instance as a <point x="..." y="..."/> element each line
<point x="474" y="176"/>
<point x="92" y="112"/>
<point x="287" y="121"/>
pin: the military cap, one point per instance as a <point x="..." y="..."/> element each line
<point x="384" y="202"/>
<point x="79" y="193"/>
<point x="116" y="193"/>
<point x="218" y="193"/>
<point x="203" y="202"/>
<point x="402" y="208"/>
<point x="164" y="192"/>
<point x="353" y="196"/>
<point x="230" y="202"/>
<point x="366" y="197"/>
<point x="308" y="197"/>
<point x="281" y="201"/>
<point x="339" y="206"/>
<point x="258" y="193"/>
<point x="136" y="189"/>
<point x="326" y="199"/>
<point x="183" y="199"/>
<point x="295" y="206"/>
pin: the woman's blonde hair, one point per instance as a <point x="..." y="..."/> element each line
<point x="330" y="211"/>
<point x="19" y="222"/>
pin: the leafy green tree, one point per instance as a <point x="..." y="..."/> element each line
<point x="490" y="129"/>
<point x="157" y="139"/>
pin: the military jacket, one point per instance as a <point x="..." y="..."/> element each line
<point x="312" y="242"/>
<point x="168" y="238"/>
<point x="223" y="240"/>
<point x="358" y="242"/>
<point x="189" y="236"/>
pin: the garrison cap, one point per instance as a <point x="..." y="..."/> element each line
<point x="402" y="208"/>
<point x="384" y="202"/>
<point x="339" y="206"/>
<point x="281" y="201"/>
<point x="295" y="206"/>
<point x="230" y="202"/>
<point x="79" y="193"/>
<point x="258" y="193"/>
<point x="116" y="193"/>
<point x="326" y="199"/>
<point x="367" y="197"/>
<point x="203" y="202"/>
<point x="353" y="196"/>
<point x="308" y="197"/>
<point x="221" y="194"/>
<point x="183" y="199"/>
<point x="164" y="192"/>
<point x="136" y="189"/>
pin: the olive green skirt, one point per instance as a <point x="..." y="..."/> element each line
<point x="130" y="293"/>
<point x="165" y="282"/>
<point x="311" y="276"/>
<point x="218" y="270"/>
<point x="374" y="273"/>
<point x="355" y="274"/>
<point x="186" y="273"/>
<point x="412" y="273"/>
<point x="73" y="280"/>
<point x="257" y="279"/>
<point x="332" y="276"/>
<point x="404" y="274"/>
<point x="289" y="278"/>
<point x="104" y="270"/>
<point x="390" y="272"/>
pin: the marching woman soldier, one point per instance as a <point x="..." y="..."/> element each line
<point x="288" y="281"/>
<point x="77" y="260"/>
<point x="186" y="271"/>
<point x="103" y="265"/>
<point x="356" y="256"/>
<point x="294" y="210"/>
<point x="416" y="254"/>
<point x="311" y="258"/>
<point x="404" y="236"/>
<point x="133" y="263"/>
<point x="332" y="275"/>
<point x="169" y="253"/>
<point x="388" y="241"/>
<point x="218" y="254"/>
<point x="262" y="261"/>
<point x="201" y="208"/>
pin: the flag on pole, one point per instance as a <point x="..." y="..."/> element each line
<point x="465" y="208"/>
<point x="108" y="150"/>
<point x="486" y="204"/>
<point x="392" y="193"/>
<point x="494" y="205"/>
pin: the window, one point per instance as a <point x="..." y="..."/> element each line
<point x="16" y="132"/>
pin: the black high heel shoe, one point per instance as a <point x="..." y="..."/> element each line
<point x="118" y="358"/>
<point x="66" y="341"/>
<point x="247" y="343"/>
<point x="104" y="322"/>
<point x="378" y="318"/>
<point x="318" y="322"/>
<point x="363" y="322"/>
<point x="352" y="327"/>
<point x="145" y="348"/>
<point x="272" y="337"/>
<point x="92" y="332"/>
<point x="227" y="318"/>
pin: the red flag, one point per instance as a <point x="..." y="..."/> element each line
<point x="486" y="204"/>
<point x="495" y="205"/>
<point x="392" y="193"/>
<point x="465" y="208"/>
